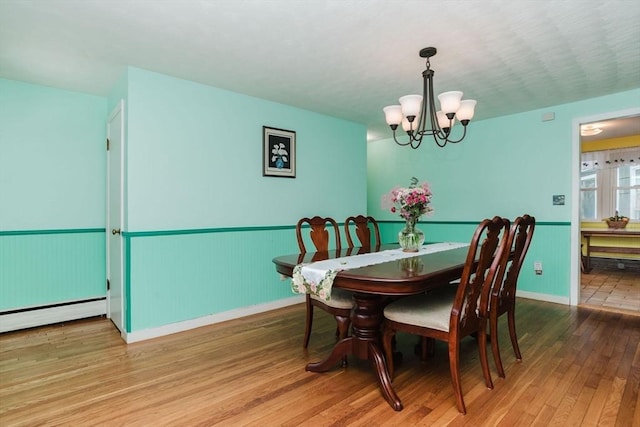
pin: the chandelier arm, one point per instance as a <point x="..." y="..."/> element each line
<point x="440" y="142"/>
<point x="410" y="142"/>
<point x="450" y="141"/>
<point x="414" y="134"/>
<point x="442" y="134"/>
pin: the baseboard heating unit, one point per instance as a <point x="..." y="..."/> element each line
<point x="13" y="320"/>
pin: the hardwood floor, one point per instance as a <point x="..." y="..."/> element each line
<point x="580" y="367"/>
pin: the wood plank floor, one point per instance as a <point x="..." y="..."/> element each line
<point x="580" y="367"/>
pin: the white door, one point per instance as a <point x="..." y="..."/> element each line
<point x="115" y="181"/>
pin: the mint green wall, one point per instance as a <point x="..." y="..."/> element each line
<point x="202" y="223"/>
<point x="195" y="159"/>
<point x="52" y="186"/>
<point x="47" y="267"/>
<point x="52" y="158"/>
<point x="186" y="276"/>
<point x="505" y="166"/>
<point x="195" y="192"/>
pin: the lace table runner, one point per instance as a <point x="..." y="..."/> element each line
<point x="317" y="278"/>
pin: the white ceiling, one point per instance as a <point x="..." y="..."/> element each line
<point x="345" y="58"/>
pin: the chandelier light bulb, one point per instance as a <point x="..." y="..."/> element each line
<point x="450" y="101"/>
<point x="393" y="114"/>
<point x="410" y="126"/>
<point x="411" y="105"/>
<point x="466" y="110"/>
<point x="443" y="120"/>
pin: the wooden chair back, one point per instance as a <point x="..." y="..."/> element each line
<point x="319" y="233"/>
<point x="362" y="225"/>
<point x="483" y="260"/>
<point x="518" y="243"/>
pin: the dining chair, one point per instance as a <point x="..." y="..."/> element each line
<point x="341" y="301"/>
<point x="503" y="294"/>
<point x="362" y="226"/>
<point x="444" y="317"/>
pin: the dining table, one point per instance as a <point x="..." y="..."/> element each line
<point x="372" y="287"/>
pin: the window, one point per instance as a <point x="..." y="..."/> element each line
<point x="610" y="182"/>
<point x="628" y="191"/>
<point x="588" y="194"/>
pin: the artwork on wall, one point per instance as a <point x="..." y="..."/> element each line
<point x="278" y="152"/>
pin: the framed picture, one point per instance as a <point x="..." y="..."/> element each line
<point x="278" y="152"/>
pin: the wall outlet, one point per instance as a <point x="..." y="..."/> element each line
<point x="537" y="267"/>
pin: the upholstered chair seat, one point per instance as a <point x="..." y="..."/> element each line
<point x="431" y="310"/>
<point x="339" y="299"/>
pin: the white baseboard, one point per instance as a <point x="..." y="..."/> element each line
<point x="173" y="328"/>
<point x="49" y="315"/>
<point x="543" y="297"/>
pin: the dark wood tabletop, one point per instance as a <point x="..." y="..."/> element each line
<point x="371" y="285"/>
<point x="399" y="277"/>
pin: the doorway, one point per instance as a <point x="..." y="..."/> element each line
<point x="614" y="282"/>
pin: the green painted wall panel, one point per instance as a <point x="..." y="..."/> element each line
<point x="551" y="245"/>
<point x="194" y="161"/>
<point x="181" y="277"/>
<point x="43" y="269"/>
<point x="52" y="194"/>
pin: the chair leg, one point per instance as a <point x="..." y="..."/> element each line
<point x="484" y="360"/>
<point x="454" y="362"/>
<point x="495" y="348"/>
<point x="308" y="322"/>
<point x="426" y="348"/>
<point x="388" y="335"/>
<point x="343" y="331"/>
<point x="343" y="326"/>
<point x="511" y="319"/>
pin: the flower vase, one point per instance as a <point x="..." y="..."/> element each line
<point x="410" y="237"/>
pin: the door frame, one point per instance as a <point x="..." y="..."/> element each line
<point x="574" y="291"/>
<point x="118" y="109"/>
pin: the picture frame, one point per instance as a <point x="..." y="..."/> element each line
<point x="278" y="152"/>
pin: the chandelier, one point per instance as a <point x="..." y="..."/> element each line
<point x="418" y="115"/>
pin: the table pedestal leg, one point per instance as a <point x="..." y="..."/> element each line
<point x="341" y="349"/>
<point x="382" y="374"/>
<point x="364" y="343"/>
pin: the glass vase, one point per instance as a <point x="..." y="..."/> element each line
<point x="410" y="237"/>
